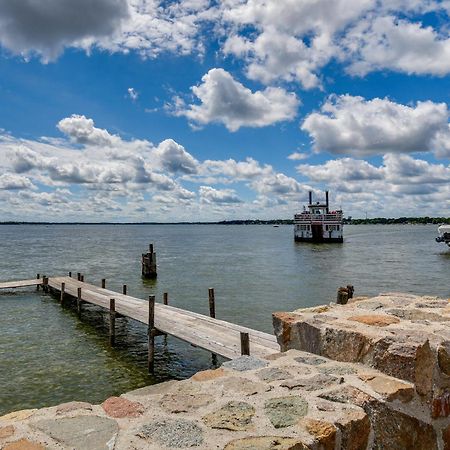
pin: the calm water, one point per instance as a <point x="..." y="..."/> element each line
<point x="47" y="355"/>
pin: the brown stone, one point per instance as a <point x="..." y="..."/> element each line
<point x="375" y="320"/>
<point x="389" y="388"/>
<point x="6" y="432"/>
<point x="64" y="408"/>
<point x="207" y="375"/>
<point x="444" y="358"/>
<point x="394" y="430"/>
<point x="314" y="383"/>
<point x="348" y="394"/>
<point x="324" y="433"/>
<point x="18" y="415"/>
<point x="282" y="323"/>
<point x="234" y="416"/>
<point x="440" y="406"/>
<point x="179" y="402"/>
<point x="243" y="386"/>
<point x="266" y="443"/>
<point x="446" y="438"/>
<point x="344" y="345"/>
<point x="119" y="407"/>
<point x="355" y="429"/>
<point x="23" y="444"/>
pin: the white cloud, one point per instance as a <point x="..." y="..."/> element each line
<point x="133" y="94"/>
<point x="225" y="100"/>
<point x="355" y="126"/>
<point x="174" y="158"/>
<point x="209" y="194"/>
<point x="297" y="156"/>
<point x="12" y="181"/>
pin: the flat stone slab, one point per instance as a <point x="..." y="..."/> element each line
<point x="23" y="444"/>
<point x="244" y="363"/>
<point x="234" y="416"/>
<point x="266" y="443"/>
<point x="180" y="402"/>
<point x="285" y="411"/>
<point x="81" y="432"/>
<point x="119" y="407"/>
<point x="176" y="433"/>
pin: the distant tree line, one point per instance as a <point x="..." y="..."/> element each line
<point x="396" y="221"/>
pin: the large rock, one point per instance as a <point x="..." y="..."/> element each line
<point x="179" y="402"/>
<point x="119" y="407"/>
<point x="234" y="416"/>
<point x="6" y="432"/>
<point x="324" y="433"/>
<point x="81" y="432"/>
<point x="355" y="429"/>
<point x="285" y="411"/>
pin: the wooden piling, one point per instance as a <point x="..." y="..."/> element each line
<point x="63" y="288"/>
<point x="103" y="283"/>
<point x="45" y="283"/>
<point x="149" y="263"/>
<point x="151" y="333"/>
<point x="38" y="276"/>
<point x="350" y="290"/>
<point x="82" y="278"/>
<point x="79" y="301"/>
<point x="70" y="274"/>
<point x="245" y="344"/>
<point x="112" y="321"/>
<point x="166" y="298"/>
<point x="212" y="303"/>
<point x="342" y="296"/>
<point x="124" y="289"/>
<point x="79" y="276"/>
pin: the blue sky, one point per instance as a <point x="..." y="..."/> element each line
<point x="139" y="110"/>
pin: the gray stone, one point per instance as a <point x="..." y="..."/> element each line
<point x="266" y="443"/>
<point x="310" y="360"/>
<point x="243" y="386"/>
<point x="273" y="374"/>
<point x="369" y="305"/>
<point x="153" y="389"/>
<point x="244" y="363"/>
<point x="417" y="315"/>
<point x="234" y="416"/>
<point x="173" y="433"/>
<point x="337" y="370"/>
<point x="314" y="383"/>
<point x="285" y="411"/>
<point x="81" y="432"/>
<point x="176" y="403"/>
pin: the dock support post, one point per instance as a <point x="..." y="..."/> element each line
<point x="212" y="303"/>
<point x="82" y="278"/>
<point x="70" y="274"/>
<point x="45" y="283"/>
<point x="112" y="321"/>
<point x="38" y="276"/>
<point x="124" y="289"/>
<point x="79" y="276"/>
<point x="79" y="301"/>
<point x="166" y="298"/>
<point x="103" y="283"/>
<point x="151" y="333"/>
<point x="149" y="263"/>
<point x="344" y="294"/>
<point x="245" y="344"/>
<point x="63" y="288"/>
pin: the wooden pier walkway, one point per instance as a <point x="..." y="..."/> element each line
<point x="217" y="336"/>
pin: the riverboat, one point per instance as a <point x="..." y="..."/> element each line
<point x="444" y="234"/>
<point x="316" y="223"/>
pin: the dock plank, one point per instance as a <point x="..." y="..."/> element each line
<point x="20" y="283"/>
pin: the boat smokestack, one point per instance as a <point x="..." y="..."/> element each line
<point x="327" y="201"/>
<point x="310" y="197"/>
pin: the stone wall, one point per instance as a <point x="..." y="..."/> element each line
<point x="403" y="336"/>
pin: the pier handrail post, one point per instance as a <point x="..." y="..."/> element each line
<point x="70" y="274"/>
<point x="112" y="321"/>
<point x="45" y="283"/>
<point x="151" y="333"/>
<point x="245" y="344"/>
<point x="79" y="276"/>
<point x="38" y="276"/>
<point x="79" y="301"/>
<point x="82" y="278"/>
<point x="124" y="289"/>
<point x="63" y="288"/>
<point x="103" y="283"/>
<point x="212" y="303"/>
<point x="166" y="298"/>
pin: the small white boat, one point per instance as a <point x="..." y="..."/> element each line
<point x="444" y="234"/>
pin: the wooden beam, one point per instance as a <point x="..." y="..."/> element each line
<point x="79" y="301"/>
<point x="112" y="321"/>
<point x="212" y="303"/>
<point x="37" y="278"/>
<point x="124" y="289"/>
<point x="245" y="344"/>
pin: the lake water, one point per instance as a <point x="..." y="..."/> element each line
<point x="48" y="355"/>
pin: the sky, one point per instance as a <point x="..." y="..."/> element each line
<point x="202" y="110"/>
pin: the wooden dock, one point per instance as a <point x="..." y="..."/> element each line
<point x="217" y="336"/>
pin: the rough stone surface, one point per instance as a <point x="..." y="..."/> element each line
<point x="285" y="411"/>
<point x="65" y="408"/>
<point x="446" y="438"/>
<point x="120" y="407"/>
<point x="177" y="403"/>
<point x="154" y="389"/>
<point x="323" y="432"/>
<point x="314" y="383"/>
<point x="18" y="415"/>
<point x="311" y="360"/>
<point x="173" y="433"/>
<point x="244" y="386"/>
<point x="235" y="416"/>
<point x="266" y="443"/>
<point x="444" y="358"/>
<point x="23" y="444"/>
<point x="207" y="375"/>
<point x="348" y="394"/>
<point x="355" y="429"/>
<point x="244" y="363"/>
<point x="440" y="406"/>
<point x="375" y="320"/>
<point x="390" y="388"/>
<point x="81" y="432"/>
<point x="273" y="374"/>
<point x="6" y="432"/>
<point x="336" y="369"/>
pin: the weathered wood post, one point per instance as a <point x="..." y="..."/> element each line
<point x="112" y="321"/>
<point x="166" y="298"/>
<point x="342" y="296"/>
<point x="350" y="290"/>
<point x="103" y="283"/>
<point x="79" y="276"/>
<point x="149" y="263"/>
<point x="79" y="301"/>
<point x="70" y="274"/>
<point x="124" y="289"/>
<point x="245" y="344"/>
<point x="212" y="303"/>
<point x="63" y="288"/>
<point x="45" y="283"/>
<point x="82" y="278"/>
<point x="151" y="333"/>
<point x="37" y="278"/>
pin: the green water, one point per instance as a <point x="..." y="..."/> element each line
<point x="48" y="355"/>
